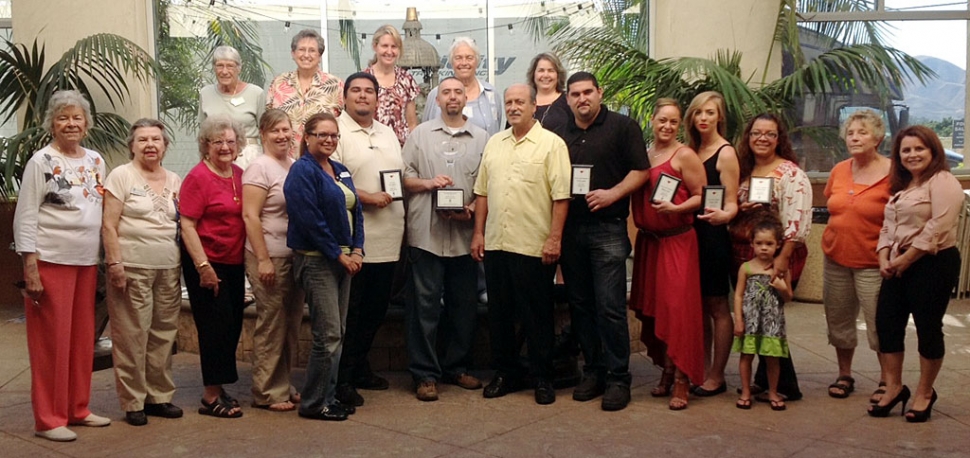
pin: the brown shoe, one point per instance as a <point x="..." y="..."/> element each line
<point x="428" y="391"/>
<point x="466" y="381"/>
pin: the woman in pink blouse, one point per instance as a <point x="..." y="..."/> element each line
<point x="395" y="101"/>
<point x="766" y="152"/>
<point x="919" y="264"/>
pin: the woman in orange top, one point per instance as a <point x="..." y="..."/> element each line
<point x="857" y="192"/>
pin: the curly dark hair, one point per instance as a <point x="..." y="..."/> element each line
<point x="783" y="149"/>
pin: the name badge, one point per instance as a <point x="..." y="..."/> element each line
<point x="344" y="175"/>
<point x="236" y="101"/>
<point x="138" y="192"/>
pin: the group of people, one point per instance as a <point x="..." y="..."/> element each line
<point x="307" y="191"/>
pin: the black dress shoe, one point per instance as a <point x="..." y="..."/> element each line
<point x="348" y="395"/>
<point x="350" y="409"/>
<point x="545" y="394"/>
<point x="590" y="388"/>
<point x="164" y="410"/>
<point x="616" y="397"/>
<point x="329" y="413"/>
<point x="500" y="386"/>
<point x="371" y="382"/>
<point x="136" y="418"/>
<point x="699" y="390"/>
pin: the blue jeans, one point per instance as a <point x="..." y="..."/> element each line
<point x="593" y="265"/>
<point x="327" y="287"/>
<point x="456" y="278"/>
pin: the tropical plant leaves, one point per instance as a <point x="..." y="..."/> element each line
<point x="99" y="64"/>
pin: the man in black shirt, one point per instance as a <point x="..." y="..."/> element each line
<point x="609" y="161"/>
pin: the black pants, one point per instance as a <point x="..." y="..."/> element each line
<point x="218" y="319"/>
<point x="520" y="287"/>
<point x="370" y="293"/>
<point x="923" y="291"/>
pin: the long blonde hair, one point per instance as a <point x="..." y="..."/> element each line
<point x="694" y="135"/>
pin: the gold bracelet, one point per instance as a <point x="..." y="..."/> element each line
<point x="202" y="264"/>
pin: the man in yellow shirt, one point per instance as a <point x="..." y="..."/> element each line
<point x="522" y="194"/>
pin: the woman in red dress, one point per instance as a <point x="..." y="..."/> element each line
<point x="666" y="293"/>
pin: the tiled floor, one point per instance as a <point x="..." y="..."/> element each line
<point x="463" y="424"/>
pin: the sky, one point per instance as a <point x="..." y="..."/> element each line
<point x="946" y="40"/>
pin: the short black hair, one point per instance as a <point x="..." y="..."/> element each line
<point x="368" y="76"/>
<point x="582" y="76"/>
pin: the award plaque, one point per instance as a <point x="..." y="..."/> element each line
<point x="582" y="174"/>
<point x="665" y="188"/>
<point x="449" y="199"/>
<point x="760" y="189"/>
<point x="392" y="183"/>
<point x="713" y="198"/>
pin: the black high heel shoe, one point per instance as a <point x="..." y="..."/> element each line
<point x="920" y="416"/>
<point x="883" y="411"/>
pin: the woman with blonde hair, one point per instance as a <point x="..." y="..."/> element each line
<point x="396" y="99"/>
<point x="706" y="131"/>
<point x="857" y="191"/>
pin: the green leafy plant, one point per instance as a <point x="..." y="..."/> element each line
<point x="101" y="64"/>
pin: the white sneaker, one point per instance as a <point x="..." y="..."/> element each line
<point x="58" y="434"/>
<point x="92" y="420"/>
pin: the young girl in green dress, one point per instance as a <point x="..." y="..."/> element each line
<point x="759" y="318"/>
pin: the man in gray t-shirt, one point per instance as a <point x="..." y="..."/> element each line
<point x="441" y="158"/>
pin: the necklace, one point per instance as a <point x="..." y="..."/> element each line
<point x="231" y="178"/>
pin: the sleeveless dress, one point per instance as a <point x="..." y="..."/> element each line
<point x="714" y="242"/>
<point x="666" y="293"/>
<point x="764" y="319"/>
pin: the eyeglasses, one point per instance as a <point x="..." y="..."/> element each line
<point x="230" y="66"/>
<point x="755" y="134"/>
<point x="323" y="136"/>
<point x="221" y="143"/>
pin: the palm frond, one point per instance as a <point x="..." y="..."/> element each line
<point x="349" y="41"/>
<point x="244" y="36"/>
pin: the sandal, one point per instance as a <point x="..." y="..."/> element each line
<point x="777" y="405"/>
<point x="678" y="398"/>
<point x="229" y="399"/>
<point x="877" y="395"/>
<point x="219" y="408"/>
<point x="842" y="387"/>
<point x="663" y="386"/>
<point x="284" y="406"/>
<point x="743" y="404"/>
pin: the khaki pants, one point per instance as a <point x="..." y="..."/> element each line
<point x="845" y="291"/>
<point x="279" y="312"/>
<point x="144" y="324"/>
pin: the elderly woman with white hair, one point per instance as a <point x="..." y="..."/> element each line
<point x="484" y="105"/>
<point x="143" y="270"/>
<point x="213" y="237"/>
<point x="57" y="232"/>
<point x="241" y="101"/>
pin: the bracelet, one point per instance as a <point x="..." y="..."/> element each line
<point x="358" y="254"/>
<point x="202" y="264"/>
<point x="110" y="264"/>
